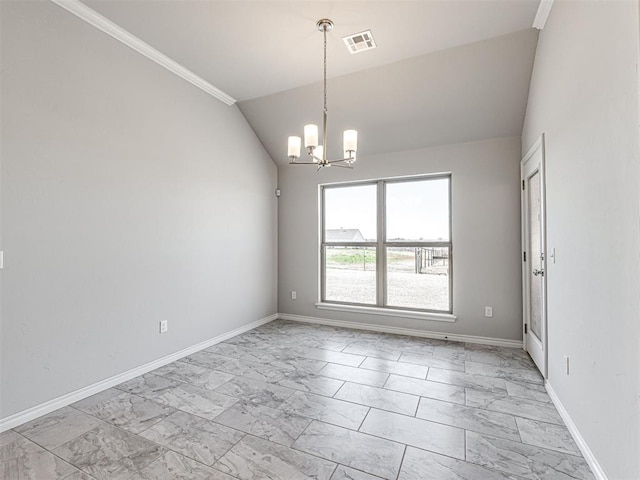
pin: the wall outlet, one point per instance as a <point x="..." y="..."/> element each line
<point x="566" y="364"/>
<point x="488" y="311"/>
<point x="294" y="295"/>
<point x="164" y="326"/>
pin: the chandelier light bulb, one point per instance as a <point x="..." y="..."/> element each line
<point x="310" y="136"/>
<point x="350" y="140"/>
<point x="294" y="147"/>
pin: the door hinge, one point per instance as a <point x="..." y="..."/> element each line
<point x="522" y="184"/>
<point x="525" y="328"/>
<point x="524" y="256"/>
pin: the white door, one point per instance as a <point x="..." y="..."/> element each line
<point x="533" y="256"/>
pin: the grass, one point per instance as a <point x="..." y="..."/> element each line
<point x="348" y="257"/>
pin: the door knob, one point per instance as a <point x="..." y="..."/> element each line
<point x="538" y="272"/>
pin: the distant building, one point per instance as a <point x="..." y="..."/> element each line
<point x="344" y="235"/>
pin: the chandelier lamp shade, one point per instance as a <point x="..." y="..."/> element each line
<point x="317" y="151"/>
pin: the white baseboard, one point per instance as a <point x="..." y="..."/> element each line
<point x="32" y="413"/>
<point x="500" y="342"/>
<point x="596" y="469"/>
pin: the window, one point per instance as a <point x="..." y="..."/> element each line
<point x="387" y="243"/>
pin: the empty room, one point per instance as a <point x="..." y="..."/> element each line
<point x="329" y="240"/>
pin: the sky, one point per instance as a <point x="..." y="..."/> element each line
<point x="416" y="210"/>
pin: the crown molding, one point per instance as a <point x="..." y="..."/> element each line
<point x="544" y="8"/>
<point x="92" y="17"/>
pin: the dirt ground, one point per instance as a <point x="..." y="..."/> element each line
<point x="405" y="289"/>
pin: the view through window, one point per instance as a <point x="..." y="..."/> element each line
<point x="387" y="243"/>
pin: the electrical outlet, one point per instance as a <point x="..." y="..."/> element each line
<point x="488" y="311"/>
<point x="293" y="295"/>
<point x="164" y="326"/>
<point x="566" y="364"/>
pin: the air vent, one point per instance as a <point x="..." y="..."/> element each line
<point x="359" y="42"/>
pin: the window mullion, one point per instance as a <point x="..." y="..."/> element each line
<point x="381" y="264"/>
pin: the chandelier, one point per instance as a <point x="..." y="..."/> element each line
<point x="316" y="152"/>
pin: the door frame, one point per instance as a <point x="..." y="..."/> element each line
<point x="537" y="147"/>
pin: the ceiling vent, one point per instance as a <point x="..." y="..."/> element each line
<point x="359" y="42"/>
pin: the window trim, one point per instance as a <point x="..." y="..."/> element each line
<point x="380" y="246"/>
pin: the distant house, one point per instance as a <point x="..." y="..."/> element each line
<point x="344" y="235"/>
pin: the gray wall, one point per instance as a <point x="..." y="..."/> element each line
<point x="128" y="197"/>
<point x="486" y="234"/>
<point x="584" y="97"/>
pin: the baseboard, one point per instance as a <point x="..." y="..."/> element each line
<point x="596" y="469"/>
<point x="32" y="413"/>
<point x="499" y="342"/>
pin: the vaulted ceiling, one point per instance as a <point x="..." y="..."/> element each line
<point x="444" y="71"/>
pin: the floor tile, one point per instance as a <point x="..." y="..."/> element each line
<point x="426" y="388"/>
<point x="78" y="475"/>
<point x="257" y="459"/>
<point x="346" y="473"/>
<point x="406" y="344"/>
<point x="255" y="391"/>
<point x="530" y="391"/>
<point x="524" y="460"/>
<point x="173" y="466"/>
<point x="507" y="373"/>
<point x="148" y="385"/>
<point x="476" y="419"/>
<point x="24" y="460"/>
<point x="97" y="399"/>
<point x="287" y="400"/>
<point x="371" y="350"/>
<point x="363" y="452"/>
<point x="193" y="374"/>
<point x="467" y="380"/>
<point x="311" y="383"/>
<point x="58" y="427"/>
<point x="508" y="357"/>
<point x="355" y="375"/>
<point x="431" y="361"/>
<point x="388" y="366"/>
<point x="127" y="411"/>
<point x="379" y="398"/>
<point x="329" y="410"/>
<point x="420" y="465"/>
<point x="416" y="432"/>
<point x="298" y="365"/>
<point x="198" y="401"/>
<point x="547" y="435"/>
<point x="451" y="351"/>
<point x="273" y="424"/>
<point x="220" y="363"/>
<point x="520" y="407"/>
<point x="193" y="437"/>
<point x="333" y="357"/>
<point x="109" y="452"/>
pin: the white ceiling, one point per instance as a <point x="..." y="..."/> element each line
<point x="250" y="49"/>
<point x="445" y="71"/>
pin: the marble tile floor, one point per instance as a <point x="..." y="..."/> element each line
<point x="291" y="401"/>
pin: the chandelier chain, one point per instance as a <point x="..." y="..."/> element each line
<point x="324" y="30"/>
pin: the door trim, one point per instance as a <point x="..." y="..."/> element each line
<point x="538" y="146"/>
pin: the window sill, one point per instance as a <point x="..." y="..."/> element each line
<point x="388" y="312"/>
